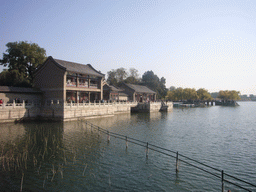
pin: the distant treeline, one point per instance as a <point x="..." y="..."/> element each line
<point x="180" y="94"/>
<point x="152" y="81"/>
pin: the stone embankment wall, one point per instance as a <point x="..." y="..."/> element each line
<point x="152" y="107"/>
<point x="170" y="106"/>
<point x="78" y="111"/>
<point x="70" y="111"/>
<point x="17" y="112"/>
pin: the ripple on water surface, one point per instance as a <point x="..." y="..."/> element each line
<point x="69" y="156"/>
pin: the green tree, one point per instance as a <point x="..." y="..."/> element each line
<point x="172" y="88"/>
<point x="203" y="94"/>
<point x="23" y="57"/>
<point x="229" y="95"/>
<point x="153" y="82"/>
<point x="150" y="79"/>
<point x="116" y="76"/>
<point x="133" y="77"/>
<point x="190" y="94"/>
<point x="112" y="79"/>
<point x="234" y="95"/>
<point x="179" y="93"/>
<point x="121" y="74"/>
<point x="171" y="95"/>
<point x="13" y="78"/>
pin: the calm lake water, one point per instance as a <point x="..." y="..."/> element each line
<point x="70" y="157"/>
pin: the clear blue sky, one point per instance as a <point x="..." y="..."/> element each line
<point x="197" y="44"/>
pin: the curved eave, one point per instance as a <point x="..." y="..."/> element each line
<point x="49" y="59"/>
<point x="101" y="74"/>
<point x="57" y="64"/>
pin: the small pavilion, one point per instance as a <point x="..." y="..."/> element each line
<point x="139" y="93"/>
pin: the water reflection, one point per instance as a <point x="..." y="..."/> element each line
<point x="112" y="120"/>
<point x="9" y="132"/>
<point x="38" y="154"/>
<point x="70" y="156"/>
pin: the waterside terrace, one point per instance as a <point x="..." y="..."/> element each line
<point x="56" y="110"/>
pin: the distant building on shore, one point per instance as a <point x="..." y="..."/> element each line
<point x="139" y="93"/>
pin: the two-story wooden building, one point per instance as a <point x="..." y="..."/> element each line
<point x="68" y="81"/>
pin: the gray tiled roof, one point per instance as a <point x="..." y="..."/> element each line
<point x="139" y="88"/>
<point x="123" y="94"/>
<point x="78" y="68"/>
<point x="7" y="89"/>
<point x="114" y="89"/>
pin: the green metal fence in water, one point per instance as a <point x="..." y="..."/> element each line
<point x="220" y="174"/>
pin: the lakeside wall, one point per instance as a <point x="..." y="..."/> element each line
<point x="84" y="110"/>
<point x="152" y="106"/>
<point x="12" y="112"/>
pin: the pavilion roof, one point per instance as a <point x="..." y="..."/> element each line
<point x="140" y="88"/>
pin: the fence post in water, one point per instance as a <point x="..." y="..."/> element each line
<point x="98" y="131"/>
<point x="147" y="150"/>
<point x="108" y="137"/>
<point x="222" y="181"/>
<point x="177" y="161"/>
<point x="91" y="127"/>
<point x="126" y="141"/>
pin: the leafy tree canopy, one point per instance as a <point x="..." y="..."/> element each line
<point x="13" y="78"/>
<point x="22" y="58"/>
<point x="112" y="79"/>
<point x="133" y="77"/>
<point x="180" y="94"/>
<point x="229" y="95"/>
<point x="172" y="88"/>
<point x="117" y="76"/>
<point x="120" y="75"/>
<point x="190" y="94"/>
<point x="203" y="94"/>
<point x="153" y="82"/>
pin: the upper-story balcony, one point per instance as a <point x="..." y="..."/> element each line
<point x="82" y="82"/>
<point x="94" y="85"/>
<point x="71" y="83"/>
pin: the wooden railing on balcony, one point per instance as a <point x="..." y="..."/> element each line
<point x="83" y="84"/>
<point x="71" y="84"/>
<point x="94" y="85"/>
